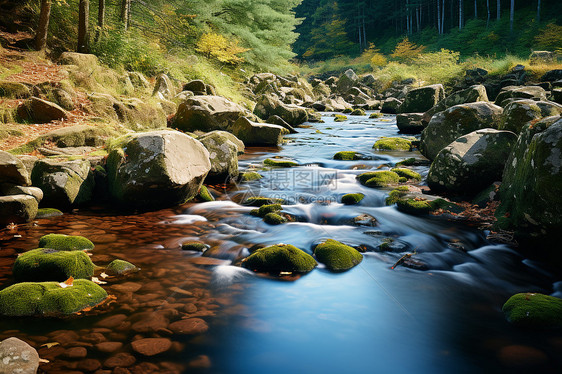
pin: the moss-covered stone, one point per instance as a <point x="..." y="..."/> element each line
<point x="258" y="201"/>
<point x="49" y="298"/>
<point x="269" y="208"/>
<point x="204" y="194"/>
<point x="414" y="206"/>
<point x="407" y="173"/>
<point x="280" y="163"/>
<point x="337" y="256"/>
<point x="121" y="267"/>
<point x="396" y="194"/>
<point x="534" y="310"/>
<point x="393" y="144"/>
<point x="358" y="112"/>
<point x="281" y="258"/>
<point x="48" y="213"/>
<point x="340" y="118"/>
<point x="274" y="219"/>
<point x="346" y="156"/>
<point x="251" y="176"/>
<point x="45" y="264"/>
<point x="352" y="198"/>
<point x="62" y="242"/>
<point x="407" y="162"/>
<point x="347" y="111"/>
<point x="194" y="246"/>
<point x="380" y="178"/>
<point x="14" y="90"/>
<point x="376" y="115"/>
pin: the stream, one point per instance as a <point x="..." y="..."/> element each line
<point x="441" y="316"/>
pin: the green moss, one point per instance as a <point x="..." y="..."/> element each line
<point x="352" y="198"/>
<point x="260" y="200"/>
<point x="396" y="194"/>
<point x="48" y="213"/>
<point x="280" y="163"/>
<point x="386" y="244"/>
<point x="534" y="310"/>
<point x="269" y="208"/>
<point x="346" y="156"/>
<point x="407" y="162"/>
<point x="62" y="242"/>
<point x="358" y="112"/>
<point x="340" y="118"/>
<point x="99" y="152"/>
<point x="415" y="207"/>
<point x="120" y="267"/>
<point x="49" y="298"/>
<point x="205" y="195"/>
<point x="380" y="178"/>
<point x="194" y="246"/>
<point x="274" y="219"/>
<point x="347" y="111"/>
<point x="250" y="176"/>
<point x="376" y="115"/>
<point x="393" y="144"/>
<point x="44" y="264"/>
<point x="407" y="173"/>
<point x="280" y="258"/>
<point x="337" y="256"/>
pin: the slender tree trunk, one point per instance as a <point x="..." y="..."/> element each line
<point x="443" y="17"/>
<point x="488" y="9"/>
<point x="499" y="9"/>
<point x="43" y="28"/>
<point x="475" y="10"/>
<point x="83" y="29"/>
<point x="439" y="17"/>
<point x="511" y="15"/>
<point x="125" y="6"/>
<point x="460" y="14"/>
<point x="539" y="11"/>
<point x="101" y="19"/>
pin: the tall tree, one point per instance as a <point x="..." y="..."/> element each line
<point x="499" y="9"/>
<point x="475" y="10"/>
<point x="539" y="11"/>
<point x="83" y="26"/>
<point x="488" y="10"/>
<point x="461" y="16"/>
<point x="42" y="29"/>
<point x="125" y="13"/>
<point x="511" y="16"/>
<point x="101" y="17"/>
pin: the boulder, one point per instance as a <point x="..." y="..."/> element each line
<point x="18" y="357"/>
<point x="542" y="57"/>
<point x="49" y="298"/>
<point x="422" y="99"/>
<point x="268" y="106"/>
<point x="472" y="162"/>
<point x="337" y="256"/>
<point x="455" y="122"/>
<point x="391" y="105"/>
<point x="518" y="113"/>
<point x="255" y="134"/>
<point x="9" y="189"/>
<point x="472" y="94"/>
<point x="12" y="170"/>
<point x="164" y="88"/>
<point x="346" y="81"/>
<point x="534" y="310"/>
<point x="557" y="95"/>
<point x="46" y="264"/>
<point x="321" y="91"/>
<point x="231" y="137"/>
<point x="522" y="92"/>
<point x="281" y="258"/>
<point x="79" y="59"/>
<point x="79" y="136"/>
<point x="37" y="110"/>
<point x="14" y="90"/>
<point x="276" y="120"/>
<point x="552" y="75"/>
<point x="17" y="209"/>
<point x="207" y="113"/>
<point x="196" y="86"/>
<point x="120" y="267"/>
<point x="531" y="190"/>
<point x="223" y="155"/>
<point x="138" y="81"/>
<point x="64" y="183"/>
<point x="410" y="123"/>
<point x="62" y="242"/>
<point x="156" y="169"/>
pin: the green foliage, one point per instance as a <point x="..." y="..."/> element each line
<point x="550" y="37"/>
<point x="214" y="45"/>
<point x="406" y="50"/>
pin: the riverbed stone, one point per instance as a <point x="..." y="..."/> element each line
<point x="256" y="134"/>
<point x="517" y="113"/>
<point x="45" y="264"/>
<point x="12" y="170"/>
<point x="391" y="105"/>
<point x="281" y="258"/>
<point x="346" y="81"/>
<point x="151" y="346"/>
<point x="268" y="106"/>
<point x="225" y="134"/>
<point x="49" y="298"/>
<point x="419" y="100"/>
<point x="520" y="92"/>
<point x="379" y="178"/>
<point x="120" y="360"/>
<point x="207" y="113"/>
<point x="156" y="169"/>
<point x="190" y="326"/>
<point x="471" y="94"/>
<point x="18" y="357"/>
<point x="223" y="154"/>
<point x="445" y="127"/>
<point x="393" y="144"/>
<point x="337" y="256"/>
<point x="410" y="123"/>
<point x="472" y="162"/>
<point x="17" y="209"/>
<point x="121" y="267"/>
<point x="534" y="310"/>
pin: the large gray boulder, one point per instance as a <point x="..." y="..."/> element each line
<point x="9" y="189"/>
<point x="12" y="170"/>
<point x="17" y="209"/>
<point x="346" y="81"/>
<point x="422" y="99"/>
<point x="268" y="106"/>
<point x="18" y="357"/>
<point x="256" y="134"/>
<point x="223" y="154"/>
<point x="472" y="162"/>
<point x="156" y="169"/>
<point x="552" y="75"/>
<point x="445" y="127"/>
<point x="391" y="105"/>
<point x="520" y="92"/>
<point x="410" y="123"/>
<point x="37" y="110"/>
<point x="64" y="183"/>
<point x="207" y="113"/>
<point x="240" y="147"/>
<point x="531" y="190"/>
<point x="472" y="94"/>
<point x="518" y="113"/>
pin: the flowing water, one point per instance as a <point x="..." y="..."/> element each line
<point x="440" y="315"/>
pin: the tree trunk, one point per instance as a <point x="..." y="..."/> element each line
<point x="499" y="9"/>
<point x="83" y="34"/>
<point x="101" y="19"/>
<point x="511" y="15"/>
<point x="125" y="6"/>
<point x="443" y="17"/>
<point x="439" y="17"/>
<point x="43" y="28"/>
<point x="460" y="15"/>
<point x="539" y="11"/>
<point x="488" y="9"/>
<point x="475" y="10"/>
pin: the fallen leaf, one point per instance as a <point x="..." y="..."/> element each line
<point x="50" y="345"/>
<point x="67" y="283"/>
<point x="97" y="281"/>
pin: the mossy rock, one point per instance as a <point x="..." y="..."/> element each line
<point x="414" y="206"/>
<point x="48" y="213"/>
<point x="49" y="298"/>
<point x="347" y="111"/>
<point x="274" y="219"/>
<point x="281" y="258"/>
<point x="534" y="310"/>
<point x="407" y="173"/>
<point x="352" y="198"/>
<point x="250" y="176"/>
<point x="120" y="267"/>
<point x="204" y="194"/>
<point x="386" y="244"/>
<point x="45" y="264"/>
<point x="258" y="201"/>
<point x="393" y="144"/>
<point x="340" y="118"/>
<point x="407" y="162"/>
<point x="280" y="163"/>
<point x="358" y="112"/>
<point x="396" y="194"/>
<point x="269" y="208"/>
<point x="347" y="156"/>
<point x="194" y="246"/>
<point x="380" y="178"/>
<point x="62" y="242"/>
<point x="337" y="256"/>
<point x="376" y="115"/>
